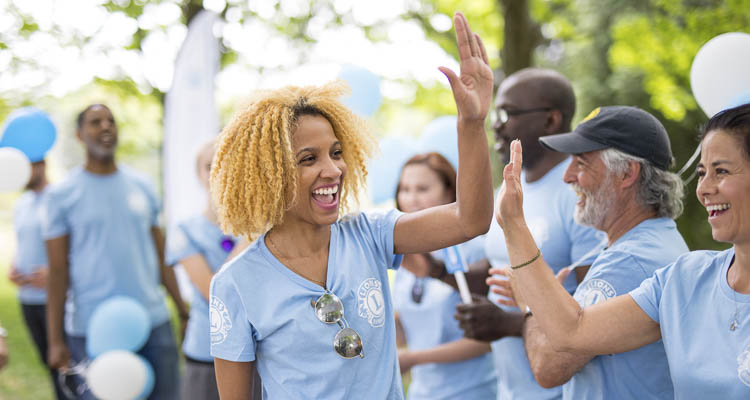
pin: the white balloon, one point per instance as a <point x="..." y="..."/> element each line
<point x="721" y="71"/>
<point x="117" y="375"/>
<point x="15" y="169"/>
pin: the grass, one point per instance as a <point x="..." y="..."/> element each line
<point x="25" y="377"/>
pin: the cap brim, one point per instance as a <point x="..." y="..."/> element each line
<point x="570" y="143"/>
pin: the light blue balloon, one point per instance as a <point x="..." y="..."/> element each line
<point x="385" y="171"/>
<point x="148" y="386"/>
<point x="743" y="98"/>
<point x="30" y="130"/>
<point x="365" y="98"/>
<point x="441" y="136"/>
<point x="120" y="323"/>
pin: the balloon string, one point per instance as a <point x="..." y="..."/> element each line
<point x="690" y="162"/>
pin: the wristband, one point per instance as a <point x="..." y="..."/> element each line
<point x="538" y="253"/>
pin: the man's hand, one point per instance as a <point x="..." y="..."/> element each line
<point x="16" y="277"/>
<point x="58" y="355"/>
<point x="482" y="320"/>
<point x="38" y="278"/>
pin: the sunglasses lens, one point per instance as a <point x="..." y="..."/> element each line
<point x="347" y="343"/>
<point x="329" y="308"/>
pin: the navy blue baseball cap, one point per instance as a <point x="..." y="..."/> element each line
<point x="628" y="129"/>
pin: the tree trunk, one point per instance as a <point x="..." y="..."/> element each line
<point x="522" y="35"/>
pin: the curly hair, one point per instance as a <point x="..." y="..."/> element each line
<point x="254" y="173"/>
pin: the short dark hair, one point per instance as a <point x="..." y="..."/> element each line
<point x="734" y="121"/>
<point x="437" y="163"/>
<point x="82" y="114"/>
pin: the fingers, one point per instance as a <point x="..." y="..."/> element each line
<point x="463" y="37"/>
<point x="452" y="77"/>
<point x="499" y="271"/>
<point x="482" y="50"/>
<point x="563" y="274"/>
<point x="516" y="157"/>
<point x="506" y="302"/>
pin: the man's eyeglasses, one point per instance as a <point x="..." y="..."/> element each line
<point x="502" y="115"/>
<point x="329" y="309"/>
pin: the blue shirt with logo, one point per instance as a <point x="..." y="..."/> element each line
<point x="261" y="311"/>
<point x="548" y="207"/>
<point x="694" y="305"/>
<point x="31" y="253"/>
<point x="642" y="373"/>
<point x="111" y="250"/>
<point x="430" y="323"/>
<point x="198" y="236"/>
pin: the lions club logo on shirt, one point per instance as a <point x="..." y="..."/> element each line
<point x="220" y="321"/>
<point x="594" y="291"/>
<point x="371" y="304"/>
<point x="743" y="366"/>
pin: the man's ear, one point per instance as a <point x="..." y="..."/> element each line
<point x="631" y="174"/>
<point x="553" y="122"/>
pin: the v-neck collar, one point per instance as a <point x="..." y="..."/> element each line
<point x="297" y="278"/>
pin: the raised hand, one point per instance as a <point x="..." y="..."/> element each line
<point x="509" y="206"/>
<point x="473" y="89"/>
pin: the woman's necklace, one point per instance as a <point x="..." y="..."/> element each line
<point x="734" y="324"/>
<point x="289" y="264"/>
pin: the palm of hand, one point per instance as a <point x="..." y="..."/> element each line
<point x="474" y="94"/>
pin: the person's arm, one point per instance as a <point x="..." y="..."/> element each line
<point x="446" y="225"/>
<point x="57" y="288"/>
<point x="614" y="326"/>
<point x="168" y="278"/>
<point x="459" y="350"/>
<point x="199" y="272"/>
<point x="234" y="379"/>
<point x="16" y="277"/>
<point x="400" y="333"/>
<point x="551" y="368"/>
<point x="484" y="321"/>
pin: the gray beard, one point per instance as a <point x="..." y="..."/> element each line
<point x="596" y="206"/>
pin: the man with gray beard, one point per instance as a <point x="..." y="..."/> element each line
<point x="619" y="170"/>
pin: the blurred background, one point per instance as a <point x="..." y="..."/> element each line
<point x="63" y="55"/>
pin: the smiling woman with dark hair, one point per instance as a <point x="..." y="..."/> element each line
<point x="699" y="305"/>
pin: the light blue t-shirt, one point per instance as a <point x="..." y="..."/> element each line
<point x="198" y="236"/>
<point x="642" y="373"/>
<point x="430" y="323"/>
<point x="694" y="306"/>
<point x="111" y="251"/>
<point x="548" y="206"/>
<point x="261" y="310"/>
<point x="31" y="253"/>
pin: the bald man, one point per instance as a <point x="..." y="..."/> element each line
<point x="530" y="104"/>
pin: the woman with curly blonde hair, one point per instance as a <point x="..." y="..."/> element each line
<point x="308" y="303"/>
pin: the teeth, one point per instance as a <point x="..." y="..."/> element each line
<point x="328" y="190"/>
<point x="717" y="207"/>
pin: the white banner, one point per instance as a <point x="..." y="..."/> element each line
<point x="190" y="119"/>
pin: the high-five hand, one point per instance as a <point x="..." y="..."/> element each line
<point x="473" y="89"/>
<point x="509" y="206"/>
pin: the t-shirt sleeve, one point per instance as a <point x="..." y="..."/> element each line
<point x="54" y="218"/>
<point x="232" y="335"/>
<point x="613" y="274"/>
<point x="384" y="223"/>
<point x="648" y="294"/>
<point x="179" y="245"/>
